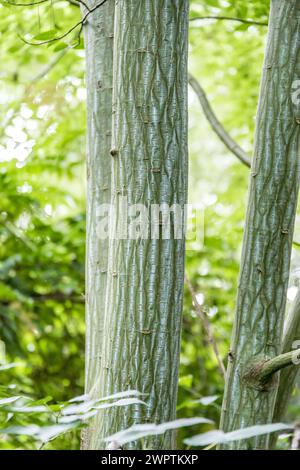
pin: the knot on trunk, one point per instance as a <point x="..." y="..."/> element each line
<point x="254" y="376"/>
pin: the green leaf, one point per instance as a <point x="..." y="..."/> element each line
<point x="29" y="409"/>
<point x="45" y="35"/>
<point x="143" y="430"/>
<point x="126" y="393"/>
<point x="219" y="437"/>
<point x="205" y="401"/>
<point x="60" y="46"/>
<point x="40" y="433"/>
<point x="77" y="418"/>
<point x="94" y="404"/>
<point x="12" y="365"/>
<point x="48" y="433"/>
<point x="22" y="430"/>
<point x="6" y="401"/>
<point x="122" y="402"/>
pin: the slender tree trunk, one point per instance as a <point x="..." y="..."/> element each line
<point x="264" y="275"/>
<point x="289" y="375"/>
<point x="99" y="31"/>
<point x="141" y="316"/>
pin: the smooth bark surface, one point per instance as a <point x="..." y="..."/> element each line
<point x="268" y="231"/>
<point x="99" y="32"/>
<point x="142" y="311"/>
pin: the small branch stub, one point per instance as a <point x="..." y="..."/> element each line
<point x="262" y="375"/>
<point x="253" y="376"/>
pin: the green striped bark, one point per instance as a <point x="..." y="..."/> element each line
<point x="142" y="311"/>
<point x="99" y="31"/>
<point x="264" y="275"/>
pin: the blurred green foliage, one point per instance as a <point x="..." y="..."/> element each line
<point x="42" y="208"/>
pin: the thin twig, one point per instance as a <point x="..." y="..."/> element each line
<point x="271" y="366"/>
<point x="59" y="297"/>
<point x="50" y="66"/>
<point x="207" y="325"/>
<point x="80" y="24"/>
<point x="229" y="18"/>
<point x="226" y="18"/>
<point x="39" y="2"/>
<point x="15" y="4"/>
<point x="79" y="2"/>
<point x="15" y="232"/>
<point x="219" y="129"/>
<point x="215" y="123"/>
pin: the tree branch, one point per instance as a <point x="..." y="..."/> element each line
<point x="39" y="2"/>
<point x="260" y="374"/>
<point x="229" y="18"/>
<point x="207" y="326"/>
<point x="215" y="123"/>
<point x="29" y="4"/>
<point x="77" y="3"/>
<point x="277" y="363"/>
<point x="58" y="296"/>
<point x="55" y="296"/>
<point x="50" y="66"/>
<point x="80" y="24"/>
<point x="15" y="232"/>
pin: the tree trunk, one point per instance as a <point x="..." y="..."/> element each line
<point x="141" y="316"/>
<point x="264" y="275"/>
<point x="289" y="375"/>
<point x="99" y="31"/>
